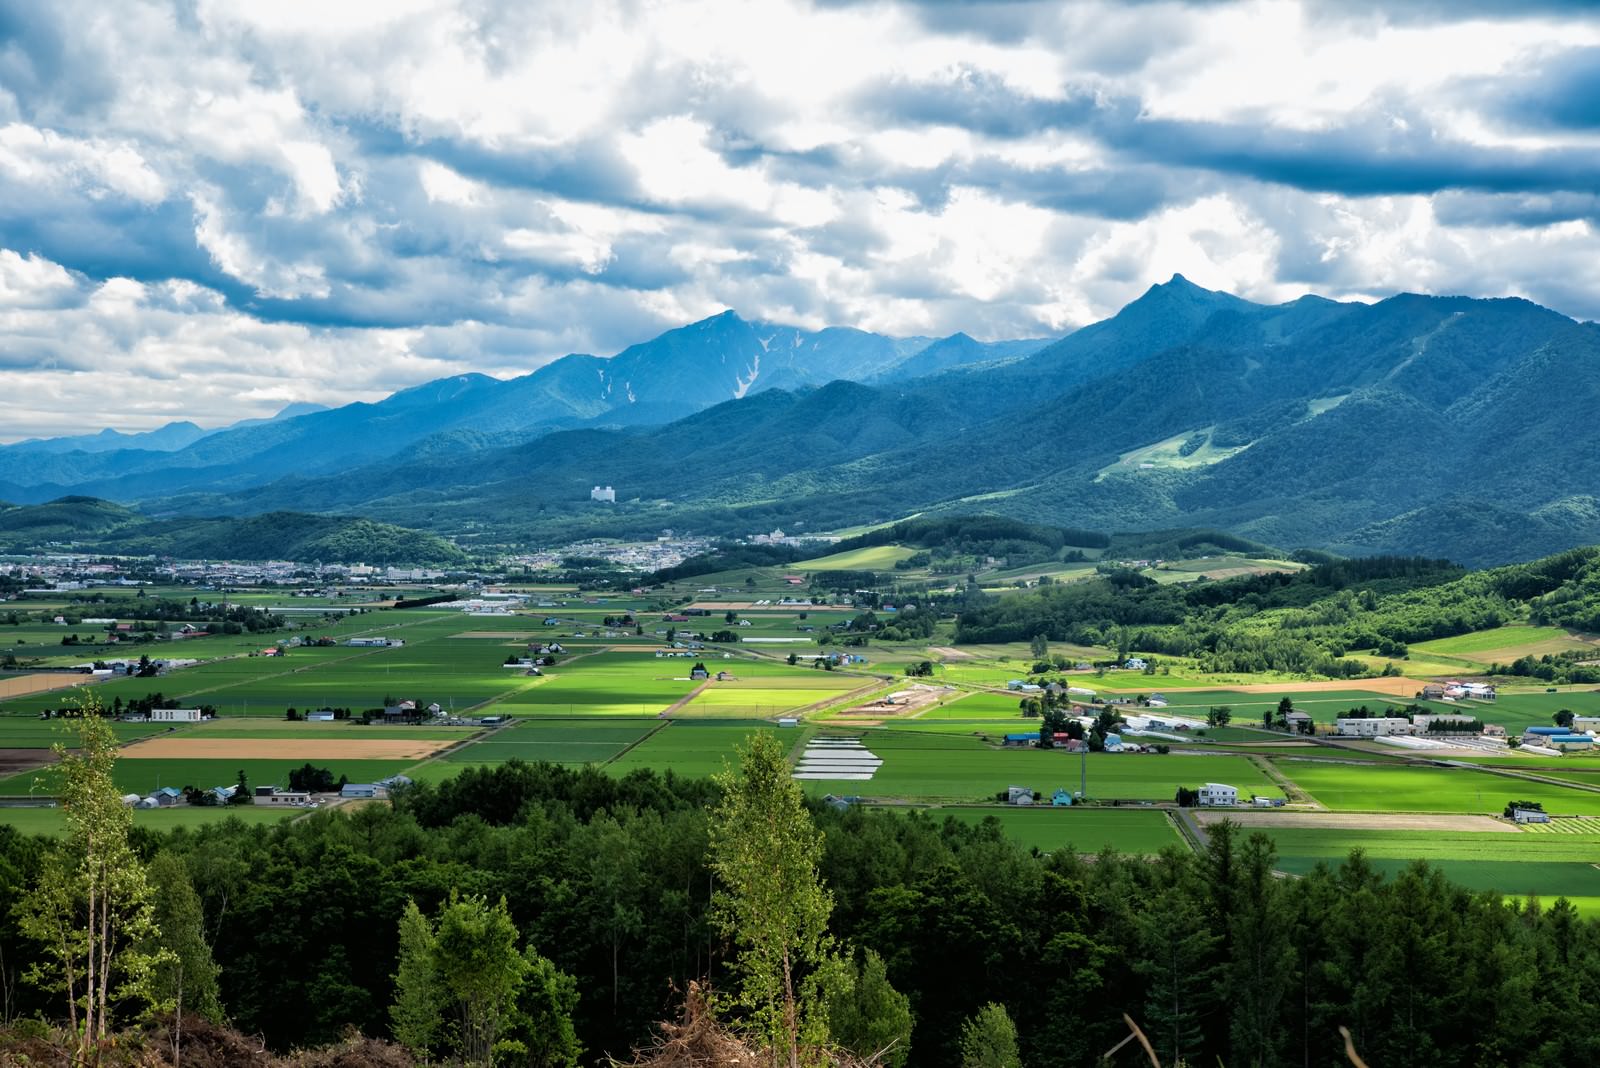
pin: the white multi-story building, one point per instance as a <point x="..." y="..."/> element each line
<point x="1374" y="726"/>
<point x="608" y="495"/>
<point x="1219" y="793"/>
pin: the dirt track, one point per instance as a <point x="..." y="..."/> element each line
<point x="1357" y="821"/>
<point x="281" y="749"/>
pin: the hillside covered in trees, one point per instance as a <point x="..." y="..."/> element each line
<point x="87" y="524"/>
<point x="1304" y="621"/>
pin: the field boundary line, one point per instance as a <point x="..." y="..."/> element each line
<point x="1291" y="789"/>
<point x="645" y="737"/>
<point x="1517" y="773"/>
<point x="685" y="699"/>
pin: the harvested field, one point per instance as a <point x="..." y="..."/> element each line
<point x="1372" y="821"/>
<point x="23" y="685"/>
<point x="949" y="653"/>
<point x="282" y="749"/>
<point x="14" y="761"/>
<point x="916" y="699"/>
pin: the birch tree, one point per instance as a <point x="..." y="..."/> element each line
<point x="772" y="904"/>
<point x="91" y="909"/>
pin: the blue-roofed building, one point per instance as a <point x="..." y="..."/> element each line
<point x="1569" y="742"/>
<point x="1021" y="739"/>
<point x="1061" y="798"/>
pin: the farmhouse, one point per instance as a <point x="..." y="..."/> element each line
<point x="1218" y="793"/>
<point x="1373" y="726"/>
<point x="1061" y="798"/>
<point x="1019" y="795"/>
<point x="1135" y="663"/>
<point x="271" y="795"/>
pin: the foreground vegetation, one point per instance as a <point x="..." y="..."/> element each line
<point x="613" y="881"/>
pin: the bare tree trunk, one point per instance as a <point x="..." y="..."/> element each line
<point x="177" y="1023"/>
<point x="790" y="1012"/>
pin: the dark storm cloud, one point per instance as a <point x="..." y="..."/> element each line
<point x="1372" y="158"/>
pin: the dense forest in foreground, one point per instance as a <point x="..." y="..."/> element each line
<point x="609" y="883"/>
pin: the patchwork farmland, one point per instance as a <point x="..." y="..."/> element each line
<point x="639" y="698"/>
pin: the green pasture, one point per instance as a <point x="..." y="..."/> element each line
<point x="52" y="821"/>
<point x="1366" y="788"/>
<point x="979" y="707"/>
<point x="557" y="741"/>
<point x="872" y="558"/>
<point x="1082" y="830"/>
<point x="30" y="732"/>
<point x="1504" y="643"/>
<point x="691" y="749"/>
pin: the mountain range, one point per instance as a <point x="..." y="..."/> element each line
<point x="1447" y="426"/>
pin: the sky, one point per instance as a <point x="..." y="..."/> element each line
<point x="210" y="209"/>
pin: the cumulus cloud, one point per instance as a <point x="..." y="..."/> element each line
<point x="223" y="206"/>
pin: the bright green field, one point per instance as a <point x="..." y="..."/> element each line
<point x="1369" y="788"/>
<point x="52" y="820"/>
<point x="1548" y="866"/>
<point x="872" y="558"/>
<point x="1083" y="830"/>
<point x="1499" y="638"/>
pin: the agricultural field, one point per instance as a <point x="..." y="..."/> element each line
<point x="1368" y="788"/>
<point x="688" y="748"/>
<point x="52" y="821"/>
<point x="872" y="558"/>
<point x="1083" y="830"/>
<point x="937" y="766"/>
<point x="559" y="741"/>
<point x="145" y="776"/>
<point x="1519" y="864"/>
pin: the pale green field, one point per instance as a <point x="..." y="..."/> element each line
<point x="872" y="558"/>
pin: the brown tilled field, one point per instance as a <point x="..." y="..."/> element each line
<point x="282" y="749"/>
<point x="15" y="761"/>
